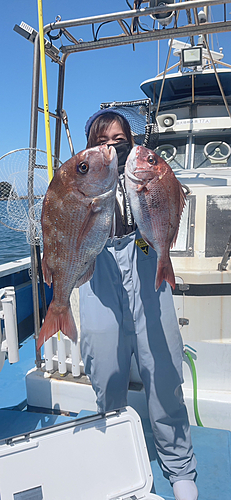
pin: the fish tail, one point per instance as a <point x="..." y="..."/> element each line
<point x="165" y="272"/>
<point x="57" y="318"/>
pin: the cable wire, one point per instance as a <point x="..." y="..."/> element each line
<point x="195" y="406"/>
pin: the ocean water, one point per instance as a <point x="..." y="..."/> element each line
<point x="13" y="245"/>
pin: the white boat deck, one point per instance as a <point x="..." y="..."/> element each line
<point x="212" y="446"/>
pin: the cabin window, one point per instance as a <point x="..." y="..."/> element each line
<point x="35" y="493"/>
<point x="218" y="224"/>
<point x="185" y="240"/>
<point x="213" y="153"/>
<point x="173" y="153"/>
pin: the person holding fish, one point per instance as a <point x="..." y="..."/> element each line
<point x="108" y="229"/>
<point x="127" y="307"/>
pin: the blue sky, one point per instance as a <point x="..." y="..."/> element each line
<point x="91" y="77"/>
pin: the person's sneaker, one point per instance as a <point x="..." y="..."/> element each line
<point x="185" y="490"/>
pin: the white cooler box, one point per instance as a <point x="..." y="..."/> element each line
<point x="92" y="458"/>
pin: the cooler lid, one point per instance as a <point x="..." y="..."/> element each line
<point x="97" y="457"/>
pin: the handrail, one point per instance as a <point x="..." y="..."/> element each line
<point x="133" y="13"/>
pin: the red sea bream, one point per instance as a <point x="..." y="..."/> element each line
<point x="157" y="200"/>
<point x="77" y="218"/>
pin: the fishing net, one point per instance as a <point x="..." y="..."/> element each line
<point x="23" y="184"/>
<point x="141" y="119"/>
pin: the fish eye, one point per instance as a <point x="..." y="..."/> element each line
<point x="151" y="160"/>
<point x="83" y="167"/>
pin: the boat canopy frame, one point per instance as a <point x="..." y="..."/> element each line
<point x="128" y="36"/>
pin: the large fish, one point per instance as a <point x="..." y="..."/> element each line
<point x="77" y="218"/>
<point x="157" y="201"/>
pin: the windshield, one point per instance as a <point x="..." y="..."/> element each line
<point x="193" y="152"/>
<point x="174" y="152"/>
<point x="212" y="153"/>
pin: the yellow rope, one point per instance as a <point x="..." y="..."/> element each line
<point x="45" y="93"/>
<point x="45" y="96"/>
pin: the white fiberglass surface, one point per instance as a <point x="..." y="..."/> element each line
<point x="100" y="459"/>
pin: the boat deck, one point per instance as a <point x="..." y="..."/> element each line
<point x="212" y="446"/>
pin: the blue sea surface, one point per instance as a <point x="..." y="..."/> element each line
<point x="13" y="245"/>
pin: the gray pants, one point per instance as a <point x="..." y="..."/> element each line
<point x="121" y="314"/>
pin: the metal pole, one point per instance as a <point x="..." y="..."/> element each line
<point x="65" y="121"/>
<point x="158" y="52"/>
<point x="163" y="80"/>
<point x="32" y="155"/>
<point x="59" y="111"/>
<point x="169" y="69"/>
<point x="132" y="13"/>
<point x="148" y="36"/>
<point x="214" y="66"/>
<point x="193" y="91"/>
<point x="217" y="77"/>
<point x="165" y="71"/>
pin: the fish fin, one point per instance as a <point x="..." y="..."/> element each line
<point x="142" y="186"/>
<point x="46" y="272"/>
<point x="87" y="276"/>
<point x="182" y="203"/>
<point x="96" y="205"/>
<point x="165" y="272"/>
<point x="87" y="223"/>
<point x="182" y="198"/>
<point x="113" y="228"/>
<point x="57" y="319"/>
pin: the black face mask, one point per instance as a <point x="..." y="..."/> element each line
<point x="122" y="149"/>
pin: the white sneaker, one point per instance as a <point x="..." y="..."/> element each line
<point x="185" y="490"/>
